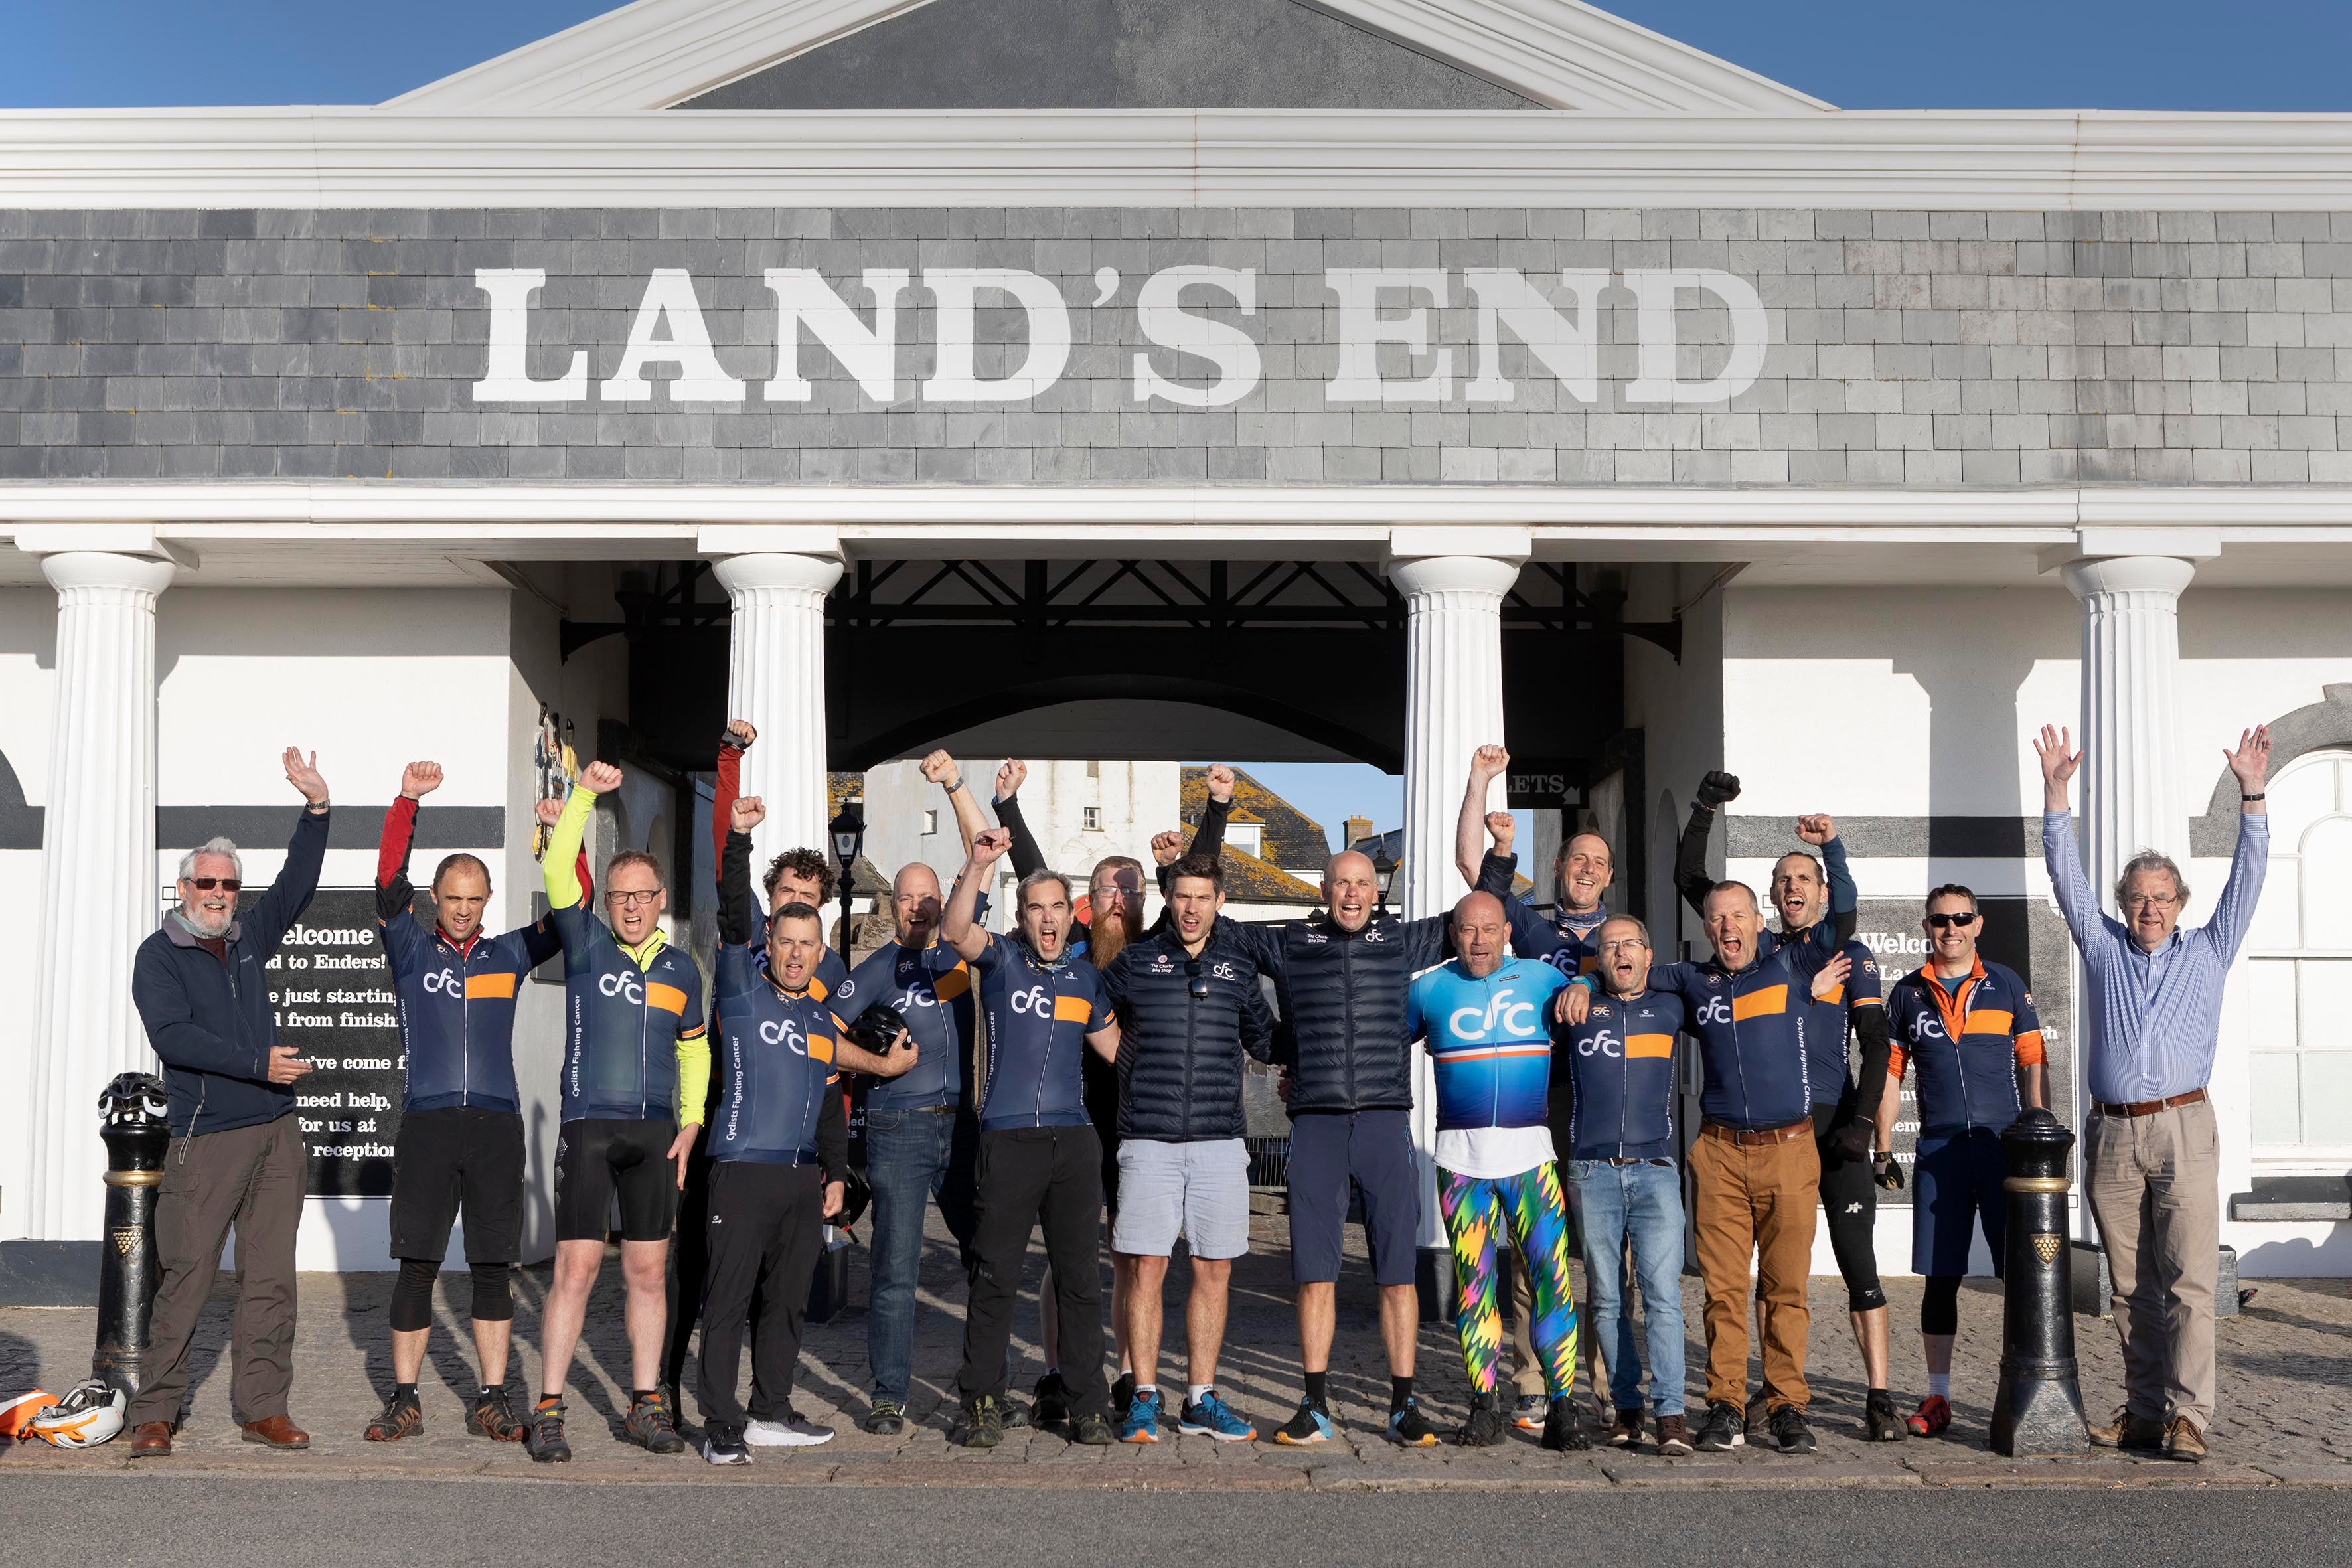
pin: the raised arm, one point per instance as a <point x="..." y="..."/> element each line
<point x="394" y="893"/>
<point x="733" y="741"/>
<point x="1486" y="764"/>
<point x="942" y="771"/>
<point x="1692" y="879"/>
<point x="735" y="919"/>
<point x="959" y="927"/>
<point x="1208" y="838"/>
<point x="289" y="893"/>
<point x="2233" y="911"/>
<point x="563" y="887"/>
<point x="1027" y="858"/>
<point x="2061" y="858"/>
<point x="1822" y="832"/>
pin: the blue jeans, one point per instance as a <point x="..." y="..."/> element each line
<point x="911" y="1156"/>
<point x="1645" y="1202"/>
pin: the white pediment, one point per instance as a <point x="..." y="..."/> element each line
<point x="654" y="54"/>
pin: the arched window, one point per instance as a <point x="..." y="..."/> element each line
<point x="2300" y="969"/>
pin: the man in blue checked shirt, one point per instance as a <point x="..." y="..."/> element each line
<point x="2151" y="1161"/>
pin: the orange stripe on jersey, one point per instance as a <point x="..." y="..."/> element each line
<point x="1588" y="963"/>
<point x="490" y="985"/>
<point x="1894" y="1061"/>
<point x="1761" y="1004"/>
<point x="1834" y="996"/>
<point x="953" y="985"/>
<point x="1869" y="1001"/>
<point x="1071" y="1010"/>
<point x="820" y="1048"/>
<point x="669" y="998"/>
<point x="1640" y="1046"/>
<point x="818" y="991"/>
<point x="2030" y="1053"/>
<point x="1988" y="1021"/>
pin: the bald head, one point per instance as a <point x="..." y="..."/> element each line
<point x="1481" y="934"/>
<point x="1351" y="889"/>
<point x="915" y="903"/>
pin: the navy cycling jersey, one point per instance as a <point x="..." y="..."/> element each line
<point x="1490" y="1038"/>
<point x="931" y="987"/>
<point x="623" y="1022"/>
<point x="1828" y="1019"/>
<point x="1568" y="941"/>
<point x="1039" y="1015"/>
<point x="1620" y="1063"/>
<point x="777" y="1053"/>
<point x="457" y="1010"/>
<point x="1750" y="1025"/>
<point x="1968" y="1042"/>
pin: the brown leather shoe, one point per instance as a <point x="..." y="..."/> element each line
<point x="1674" y="1436"/>
<point x="152" y="1441"/>
<point x="2183" y="1441"/>
<point x="2130" y="1431"/>
<point x="277" y="1432"/>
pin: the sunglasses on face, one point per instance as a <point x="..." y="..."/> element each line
<point x="1959" y="921"/>
<point x="1195" y="982"/>
<point x="207" y="884"/>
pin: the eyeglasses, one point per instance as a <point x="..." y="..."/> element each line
<point x="207" y="884"/>
<point x="2131" y="901"/>
<point x="1196" y="983"/>
<point x="1959" y="921"/>
<point x="631" y="901"/>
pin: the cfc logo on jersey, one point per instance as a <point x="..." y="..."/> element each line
<point x="785" y="1032"/>
<point x="437" y="981"/>
<point x="622" y="985"/>
<point x="1037" y="1000"/>
<point x="1517" y="1018"/>
<point x="1716" y="1011"/>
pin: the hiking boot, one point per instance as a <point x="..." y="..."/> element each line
<point x="1486" y="1427"/>
<point x="492" y="1416"/>
<point x="980" y="1424"/>
<point x="1092" y="1430"/>
<point x="1016" y="1415"/>
<point x="1674" y="1436"/>
<point x="2183" y="1441"/>
<point x="400" y="1418"/>
<point x="887" y="1419"/>
<point x="1885" y="1426"/>
<point x="1563" y="1431"/>
<point x="543" y="1437"/>
<point x="651" y="1425"/>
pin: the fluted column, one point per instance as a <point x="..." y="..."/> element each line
<point x="2130" y="729"/>
<point x="1453" y="704"/>
<point x="775" y="679"/>
<point x="98" y="876"/>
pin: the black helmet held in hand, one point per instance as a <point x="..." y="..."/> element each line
<point x="878" y="1027"/>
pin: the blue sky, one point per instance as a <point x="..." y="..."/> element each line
<point x="1859" y="54"/>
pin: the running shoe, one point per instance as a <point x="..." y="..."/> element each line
<point x="543" y="1440"/>
<point x="1141" y="1423"/>
<point x="1486" y="1427"/>
<point x="1563" y="1430"/>
<point x="1790" y="1431"/>
<point x="1529" y="1416"/>
<point x="1721" y="1431"/>
<point x="1053" y="1406"/>
<point x="651" y="1425"/>
<point x="1092" y="1430"/>
<point x="1309" y="1425"/>
<point x="491" y="1416"/>
<point x="1626" y="1430"/>
<point x="1935" y="1414"/>
<point x="723" y="1444"/>
<point x="980" y="1424"/>
<point x="1885" y="1426"/>
<point x="1674" y="1436"/>
<point x="1210" y="1416"/>
<point x="887" y="1419"/>
<point x="399" y="1418"/>
<point x="1409" y="1428"/>
<point x="792" y="1432"/>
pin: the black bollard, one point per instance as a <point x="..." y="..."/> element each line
<point x="137" y="1138"/>
<point x="2039" y="1410"/>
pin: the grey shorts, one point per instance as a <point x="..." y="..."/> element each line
<point x="1200" y="1191"/>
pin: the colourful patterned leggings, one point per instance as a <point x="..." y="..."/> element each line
<point x="1476" y="1208"/>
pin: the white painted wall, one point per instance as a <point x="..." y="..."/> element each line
<point x="28" y="622"/>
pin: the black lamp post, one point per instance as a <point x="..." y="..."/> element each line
<point x="1384" y="866"/>
<point x="849" y="829"/>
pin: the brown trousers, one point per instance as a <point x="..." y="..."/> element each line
<point x="2154" y="1181"/>
<point x="249" y="1179"/>
<point x="1760" y="1201"/>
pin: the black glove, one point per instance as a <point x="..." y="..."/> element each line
<point x="1852" y="1140"/>
<point x="1890" y="1174"/>
<point x="877" y="1027"/>
<point x="729" y="741"/>
<point x="1717" y="790"/>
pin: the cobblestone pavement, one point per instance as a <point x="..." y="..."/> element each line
<point x="2285" y="1369"/>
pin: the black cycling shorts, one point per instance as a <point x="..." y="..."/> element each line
<point x="461" y="1156"/>
<point x="599" y="1156"/>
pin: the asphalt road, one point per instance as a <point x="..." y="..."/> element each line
<point x="119" y="1517"/>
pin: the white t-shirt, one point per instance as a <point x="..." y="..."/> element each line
<point x="1489" y="1153"/>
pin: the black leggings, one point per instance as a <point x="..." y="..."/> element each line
<point x="412" y="1294"/>
<point x="1850" y="1207"/>
<point x="1939" y="1309"/>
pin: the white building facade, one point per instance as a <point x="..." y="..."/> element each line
<point x="1856" y="445"/>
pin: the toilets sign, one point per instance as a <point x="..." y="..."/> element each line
<point x="1698" y="337"/>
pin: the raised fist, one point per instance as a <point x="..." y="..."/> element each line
<point x="420" y="779"/>
<point x="600" y="778"/>
<point x="1503" y="827"/>
<point x="1221" y="781"/>
<point x="1166" y="848"/>
<point x="740" y="734"/>
<point x="1489" y="763"/>
<point x="747" y="814"/>
<point x="1717" y="790"/>
<point x="546" y="811"/>
<point x="1817" y="829"/>
<point x="940" y="769"/>
<point x="989" y="845"/>
<point x="1010" y="778"/>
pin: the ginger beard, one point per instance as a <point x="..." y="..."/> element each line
<point x="1112" y="930"/>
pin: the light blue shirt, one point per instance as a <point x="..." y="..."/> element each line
<point x="2151" y="1021"/>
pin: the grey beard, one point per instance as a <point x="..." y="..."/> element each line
<point x="205" y="925"/>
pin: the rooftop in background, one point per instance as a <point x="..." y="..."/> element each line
<point x="1287" y="837"/>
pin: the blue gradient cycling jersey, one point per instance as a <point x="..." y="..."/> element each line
<point x="1491" y="1039"/>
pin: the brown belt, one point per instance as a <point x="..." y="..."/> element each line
<point x="1750" y="1137"/>
<point x="2148" y="1107"/>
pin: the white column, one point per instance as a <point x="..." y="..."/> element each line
<point x="2130" y="730"/>
<point x="775" y="679"/>
<point x="1453" y="704"/>
<point x="99" y="879"/>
